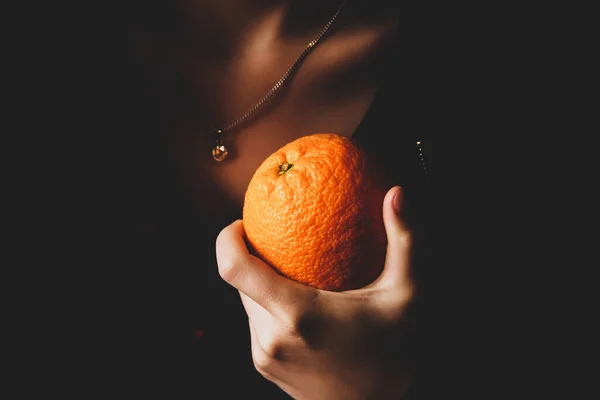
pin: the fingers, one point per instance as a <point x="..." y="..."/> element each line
<point x="265" y="365"/>
<point x="268" y="353"/>
<point x="257" y="315"/>
<point x="396" y="270"/>
<point x="251" y="276"/>
<point x="261" y="361"/>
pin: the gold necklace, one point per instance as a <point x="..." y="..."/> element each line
<point x="219" y="152"/>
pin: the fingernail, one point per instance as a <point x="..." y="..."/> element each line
<point x="397" y="202"/>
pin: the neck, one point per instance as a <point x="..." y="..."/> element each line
<point x="230" y="23"/>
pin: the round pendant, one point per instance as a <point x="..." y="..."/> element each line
<point x="219" y="152"/>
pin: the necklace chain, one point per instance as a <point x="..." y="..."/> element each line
<point x="220" y="152"/>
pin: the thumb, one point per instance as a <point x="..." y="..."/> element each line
<point x="396" y="271"/>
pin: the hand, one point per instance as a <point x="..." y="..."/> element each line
<point x="317" y="344"/>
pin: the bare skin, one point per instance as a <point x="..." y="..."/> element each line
<point x="330" y="92"/>
<point x="227" y="55"/>
<point x="317" y="344"/>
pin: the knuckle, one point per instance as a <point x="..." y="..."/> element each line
<point x="308" y="327"/>
<point x="262" y="363"/>
<point x="292" y="320"/>
<point x="304" y="315"/>
<point x="228" y="269"/>
<point x="275" y="350"/>
<point x="267" y="353"/>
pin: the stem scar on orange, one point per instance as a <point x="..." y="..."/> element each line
<point x="313" y="212"/>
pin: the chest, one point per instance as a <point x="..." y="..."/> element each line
<point x="211" y="184"/>
<point x="315" y="100"/>
<point x="331" y="90"/>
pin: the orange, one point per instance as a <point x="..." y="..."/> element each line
<point x="313" y="212"/>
